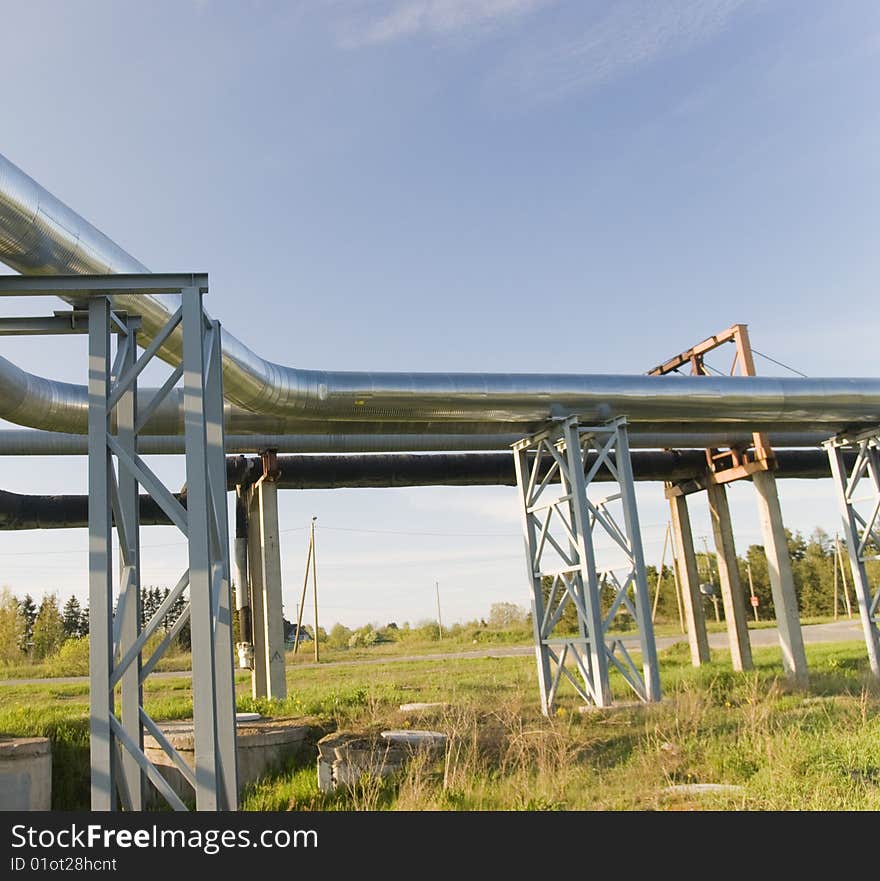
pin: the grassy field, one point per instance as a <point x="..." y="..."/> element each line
<point x="782" y="749"/>
<point x="73" y="660"/>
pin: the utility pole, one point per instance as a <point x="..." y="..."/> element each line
<point x="315" y="587"/>
<point x="301" y="605"/>
<point x="710" y="574"/>
<point x="836" y="576"/>
<point x="752" y="598"/>
<point x="439" y="619"/>
<point x="843" y="576"/>
<point x="660" y="574"/>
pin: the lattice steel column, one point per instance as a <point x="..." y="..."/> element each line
<point x="560" y="523"/>
<point x="116" y="470"/>
<point x="858" y="492"/>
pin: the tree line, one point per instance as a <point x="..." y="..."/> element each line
<point x="32" y="632"/>
<point x="820" y="570"/>
<point x="820" y="567"/>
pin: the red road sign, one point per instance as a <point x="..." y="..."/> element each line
<point x="755" y="602"/>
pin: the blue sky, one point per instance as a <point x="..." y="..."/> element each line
<point x="505" y="185"/>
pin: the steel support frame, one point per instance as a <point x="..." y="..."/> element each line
<point x="560" y="526"/>
<point x="116" y="471"/>
<point x="858" y="494"/>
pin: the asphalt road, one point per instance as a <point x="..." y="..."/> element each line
<point x="836" y="631"/>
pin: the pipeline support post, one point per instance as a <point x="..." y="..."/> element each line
<point x="688" y="578"/>
<point x="858" y="494"/>
<point x="791" y="640"/>
<point x="728" y="574"/>
<point x="559" y="524"/>
<point x="264" y="572"/>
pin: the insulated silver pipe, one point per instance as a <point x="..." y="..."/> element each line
<point x="41" y="235"/>
<point x="29" y="442"/>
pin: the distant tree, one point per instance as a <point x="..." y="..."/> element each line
<point x="84" y="621"/>
<point x="184" y="636"/>
<point x="756" y="561"/>
<point x="507" y="616"/>
<point x="48" y="628"/>
<point x="568" y="621"/>
<point x="363" y="637"/>
<point x="797" y="545"/>
<point x="339" y="636"/>
<point x="156" y="601"/>
<point x="72" y="617"/>
<point x="29" y="614"/>
<point x="151" y="599"/>
<point x="11" y="627"/>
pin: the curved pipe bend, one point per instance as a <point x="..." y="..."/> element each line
<point x="41" y="235"/>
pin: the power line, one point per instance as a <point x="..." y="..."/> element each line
<point x="804" y="375"/>
<point x="713" y="369"/>
<point x="182" y="546"/>
<point x="435" y="534"/>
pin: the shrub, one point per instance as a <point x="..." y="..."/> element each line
<point x="72" y="659"/>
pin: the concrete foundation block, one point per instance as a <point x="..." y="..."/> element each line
<point x="262" y="746"/>
<point x="25" y="774"/>
<point x="346" y="757"/>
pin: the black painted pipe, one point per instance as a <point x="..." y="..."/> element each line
<point x="387" y="470"/>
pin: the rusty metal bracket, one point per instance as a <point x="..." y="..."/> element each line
<point x="271" y="471"/>
<point x="726" y="465"/>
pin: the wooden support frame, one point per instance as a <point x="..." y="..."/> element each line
<point x="726" y="465"/>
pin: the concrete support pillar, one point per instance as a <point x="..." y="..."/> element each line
<point x="264" y="572"/>
<point x="728" y="573"/>
<point x="794" y="658"/>
<point x="689" y="580"/>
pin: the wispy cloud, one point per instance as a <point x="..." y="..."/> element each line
<point x="408" y="18"/>
<point x="629" y="35"/>
<point x="569" y="47"/>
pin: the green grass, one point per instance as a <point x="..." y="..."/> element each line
<point x="786" y="749"/>
<point x="467" y="640"/>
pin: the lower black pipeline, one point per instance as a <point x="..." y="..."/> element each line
<point x="388" y="470"/>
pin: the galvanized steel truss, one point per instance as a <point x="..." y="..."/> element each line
<point x="858" y="493"/>
<point x="116" y="470"/>
<point x="560" y="526"/>
<point x="119" y="765"/>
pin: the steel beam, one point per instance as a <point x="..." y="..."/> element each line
<point x="858" y="494"/>
<point x="107" y="285"/>
<point x="102" y="745"/>
<point x="129" y="605"/>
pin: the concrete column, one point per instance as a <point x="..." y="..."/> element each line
<point x="794" y="658"/>
<point x="688" y="578"/>
<point x="270" y="561"/>
<point x="731" y="587"/>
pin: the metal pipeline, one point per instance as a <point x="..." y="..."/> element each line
<point x="30" y="442"/>
<point x="41" y="235"/>
<point x="242" y="584"/>
<point x="335" y="472"/>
